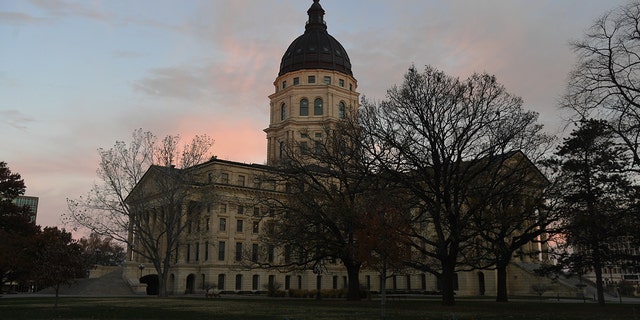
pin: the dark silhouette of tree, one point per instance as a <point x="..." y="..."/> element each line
<point x="605" y="83"/>
<point x="436" y="136"/>
<point x="324" y="210"/>
<point x="516" y="218"/>
<point x="102" y="251"/>
<point x="597" y="198"/>
<point x="16" y="230"/>
<point x="147" y="196"/>
<point x="58" y="259"/>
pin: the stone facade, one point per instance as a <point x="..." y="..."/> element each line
<point x="306" y="99"/>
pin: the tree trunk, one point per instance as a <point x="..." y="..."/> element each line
<point x="447" y="277"/>
<point x="55" y="303"/>
<point x="501" y="270"/>
<point x="353" y="273"/>
<point x="597" y="268"/>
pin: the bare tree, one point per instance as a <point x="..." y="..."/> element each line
<point x="605" y="83"/>
<point x="146" y="196"/>
<point x="330" y="189"/>
<point x="438" y="137"/>
<point x="516" y="220"/>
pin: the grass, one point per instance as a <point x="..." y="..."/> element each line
<point x="242" y="308"/>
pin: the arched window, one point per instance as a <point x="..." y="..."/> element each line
<point x="283" y="112"/>
<point x="317" y="107"/>
<point x="341" y="110"/>
<point x="304" y="107"/>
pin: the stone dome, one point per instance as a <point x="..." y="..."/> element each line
<point x="316" y="48"/>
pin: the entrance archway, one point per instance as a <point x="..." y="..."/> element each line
<point x="151" y="280"/>
<point x="481" y="284"/>
<point x="191" y="282"/>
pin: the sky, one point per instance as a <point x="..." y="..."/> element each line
<point x="76" y="76"/>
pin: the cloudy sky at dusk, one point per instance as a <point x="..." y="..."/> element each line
<point x="76" y="76"/>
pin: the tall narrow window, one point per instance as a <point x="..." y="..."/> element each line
<point x="206" y="250"/>
<point x="271" y="253"/>
<point x="296" y="81"/>
<point x="221" y="249"/>
<point x="188" y="252"/>
<point x="221" y="282"/>
<point x="197" y="253"/>
<point x="238" y="282"/>
<point x="223" y="224"/>
<point x="284" y="84"/>
<point x="255" y="282"/>
<point x="238" y="251"/>
<point x="304" y="107"/>
<point x="254" y="252"/>
<point x="241" y="180"/>
<point x="341" y="110"/>
<point x="317" y="107"/>
<point x="239" y="225"/>
<point x="283" y="112"/>
<point x="341" y="82"/>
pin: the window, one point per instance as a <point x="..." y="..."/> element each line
<point x="335" y="282"/>
<point x="238" y="251"/>
<point x="254" y="252"/>
<point x="256" y="211"/>
<point x="350" y="87"/>
<point x="299" y="282"/>
<point x="240" y="209"/>
<point x="206" y="224"/>
<point x="210" y="177"/>
<point x="256" y="227"/>
<point x="197" y="251"/>
<point x="238" y="282"/>
<point x="317" y="107"/>
<point x="341" y="82"/>
<point x="239" y="224"/>
<point x="255" y="282"/>
<point x="341" y="109"/>
<point x="223" y="224"/>
<point x="272" y="281"/>
<point x="296" y="81"/>
<point x="304" y="135"/>
<point x="271" y="253"/>
<point x="188" y="252"/>
<point x="311" y="79"/>
<point x="284" y="84"/>
<point x="408" y="282"/>
<point x="327" y="80"/>
<point x="304" y="107"/>
<point x="287" y="254"/>
<point x="304" y="147"/>
<point x="221" y="253"/>
<point x="241" y="180"/>
<point x="223" y="208"/>
<point x="287" y="282"/>
<point x="283" y="112"/>
<point x="221" y="282"/>
<point x="281" y="149"/>
<point x="206" y="250"/>
<point x="224" y="177"/>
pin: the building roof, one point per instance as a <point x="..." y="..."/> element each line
<point x="316" y="48"/>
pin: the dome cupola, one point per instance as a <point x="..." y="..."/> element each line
<point x="316" y="48"/>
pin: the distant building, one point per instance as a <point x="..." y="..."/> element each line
<point x="31" y="202"/>
<point x="314" y="88"/>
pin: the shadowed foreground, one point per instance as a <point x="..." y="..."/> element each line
<point x="238" y="308"/>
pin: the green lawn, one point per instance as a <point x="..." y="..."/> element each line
<point x="235" y="308"/>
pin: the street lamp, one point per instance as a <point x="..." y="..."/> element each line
<point x="141" y="267"/>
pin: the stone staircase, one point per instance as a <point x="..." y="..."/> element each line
<point x="110" y="284"/>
